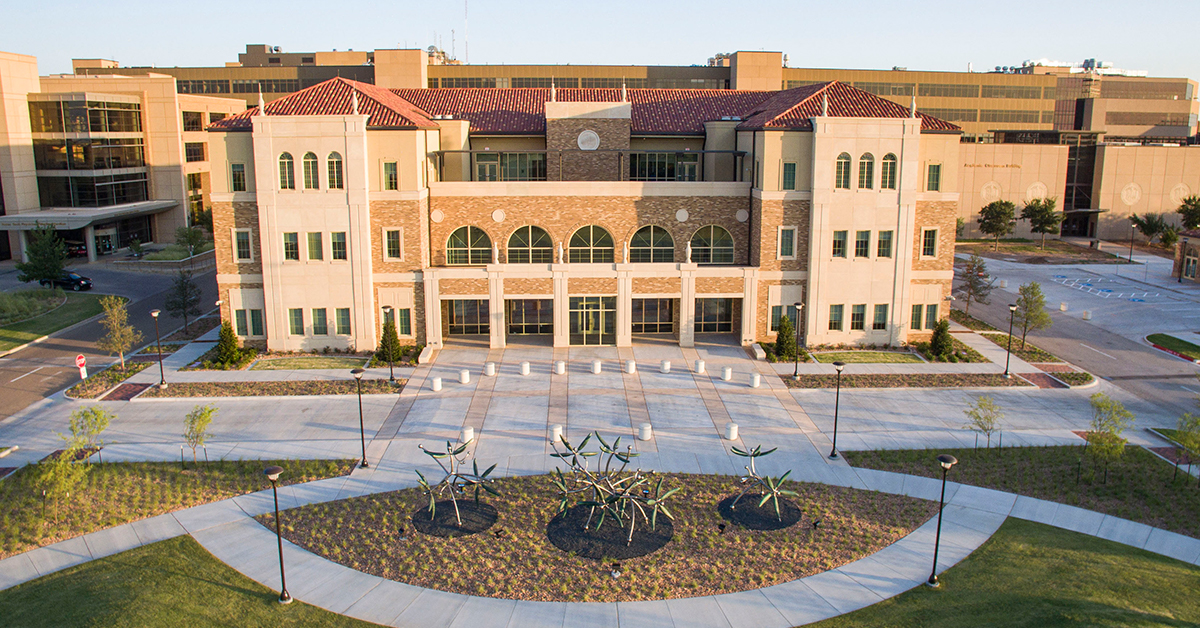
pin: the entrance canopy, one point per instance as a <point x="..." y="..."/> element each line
<point x="78" y="218"/>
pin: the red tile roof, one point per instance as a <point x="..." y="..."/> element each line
<point x="333" y="97"/>
<point x="795" y="108"/>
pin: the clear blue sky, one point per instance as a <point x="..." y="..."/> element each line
<point x="933" y="35"/>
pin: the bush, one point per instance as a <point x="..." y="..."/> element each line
<point x="785" y="342"/>
<point x="228" y="351"/>
<point x="941" y="345"/>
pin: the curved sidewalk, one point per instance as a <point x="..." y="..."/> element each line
<point x="227" y="530"/>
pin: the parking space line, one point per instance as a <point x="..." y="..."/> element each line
<point x="27" y="374"/>
<point x="1097" y="351"/>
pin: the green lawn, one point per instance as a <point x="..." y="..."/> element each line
<point x="78" y="307"/>
<point x="1034" y="575"/>
<point x="315" y="362"/>
<point x="868" y="357"/>
<point x="170" y="583"/>
<point x="1171" y="342"/>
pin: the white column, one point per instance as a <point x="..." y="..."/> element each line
<point x="496" y="308"/>
<point x="624" y="309"/>
<point x="562" y="336"/>
<point x="687" y="308"/>
<point x="89" y="240"/>
<point x="433" y="309"/>
<point x="749" y="306"/>
<point x="22" y="244"/>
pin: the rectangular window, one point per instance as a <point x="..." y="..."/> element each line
<point x="291" y="246"/>
<point x="917" y="311"/>
<point x="237" y="177"/>
<point x="216" y="117"/>
<point x="776" y="314"/>
<point x="664" y="167"/>
<point x="392" y="248"/>
<point x="929" y="239"/>
<point x="862" y="244"/>
<point x="858" y="317"/>
<point x="193" y="121"/>
<point x="256" y="323"/>
<point x="240" y="322"/>
<point x="193" y="152"/>
<point x="880" y="321"/>
<point x="337" y="242"/>
<point x="296" y="321"/>
<point x="315" y="249"/>
<point x="787" y="243"/>
<point x="320" y="325"/>
<point x="931" y="315"/>
<point x="933" y="182"/>
<point x="839" y="243"/>
<point x="391" y="179"/>
<point x="789" y="175"/>
<point x="835" y="317"/>
<point x="884" y="246"/>
<point x="342" y="318"/>
<point x="404" y="322"/>
<point x="241" y="242"/>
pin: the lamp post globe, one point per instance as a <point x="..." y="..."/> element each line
<point x="945" y="461"/>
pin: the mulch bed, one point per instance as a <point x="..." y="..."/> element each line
<point x="910" y="380"/>
<point x="476" y="517"/>
<point x="567" y="532"/>
<point x="1042" y="380"/>
<point x="751" y="516"/>
<point x="125" y="392"/>
<point x="275" y="389"/>
<point x="1174" y="454"/>
<point x="1054" y="367"/>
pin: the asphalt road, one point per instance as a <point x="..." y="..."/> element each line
<point x="1150" y="374"/>
<point x="42" y="369"/>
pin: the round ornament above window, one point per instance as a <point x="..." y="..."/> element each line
<point x="498" y="215"/>
<point x="681" y="215"/>
<point x="588" y="140"/>
<point x="437" y="215"/>
<point x="743" y="215"/>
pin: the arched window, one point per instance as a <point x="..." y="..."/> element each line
<point x="591" y="245"/>
<point x="887" y="174"/>
<point x="651" y="244"/>
<point x="335" y="171"/>
<point x="530" y="245"/>
<point x="468" y="246"/>
<point x="712" y="245"/>
<point x="866" y="171"/>
<point x="310" y="171"/>
<point x="287" y="172"/>
<point x="841" y="178"/>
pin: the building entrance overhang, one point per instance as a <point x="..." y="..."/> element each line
<point x="78" y="218"/>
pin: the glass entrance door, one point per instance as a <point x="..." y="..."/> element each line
<point x="526" y="317"/>
<point x="653" y="316"/>
<point x="714" y="315"/>
<point x="465" y="317"/>
<point x="593" y="320"/>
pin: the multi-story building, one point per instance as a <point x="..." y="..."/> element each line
<point x="585" y="216"/>
<point x="103" y="159"/>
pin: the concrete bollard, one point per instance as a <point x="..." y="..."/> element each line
<point x="596" y="366"/>
<point x="1087" y="315"/>
<point x="731" y="431"/>
<point x="755" y="380"/>
<point x="645" y="432"/>
<point x="436" y="384"/>
<point x="664" y="366"/>
<point x="524" y="368"/>
<point x="467" y="435"/>
<point x="556" y="432"/>
<point x="631" y="366"/>
<point x="464" y="376"/>
<point x="700" y="367"/>
<point x="727" y="373"/>
<point x="1062" y="307"/>
<point x="1003" y="284"/>
<point x="489" y="369"/>
<point x="560" y="367"/>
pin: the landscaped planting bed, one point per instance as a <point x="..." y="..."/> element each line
<point x="904" y="380"/>
<point x="25" y="304"/>
<point x="167" y="348"/>
<point x="1074" y="378"/>
<point x="78" y="307"/>
<point x="868" y="357"/>
<point x="514" y="559"/>
<point x="1184" y="347"/>
<point x="119" y="492"/>
<point x="99" y="382"/>
<point x="276" y="389"/>
<point x="309" y="362"/>
<point x="1139" y="486"/>
<point x="1028" y="352"/>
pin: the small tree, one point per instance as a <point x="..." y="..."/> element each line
<point x="997" y="219"/>
<point x="1149" y="224"/>
<point x="1109" y="420"/>
<point x="389" y="343"/>
<point x="941" y="345"/>
<point x="57" y="475"/>
<point x="1169" y="236"/>
<point x="228" y="351"/>
<point x="1042" y="217"/>
<point x="1188" y="437"/>
<point x="1031" y="312"/>
<point x="976" y="284"/>
<point x="184" y="298"/>
<point x="195" y="431"/>
<point x="785" y="341"/>
<point x="190" y="237"/>
<point x="984" y="417"/>
<point x="47" y="256"/>
<point x="1189" y="210"/>
<point x="120" y="336"/>
<point x="86" y="426"/>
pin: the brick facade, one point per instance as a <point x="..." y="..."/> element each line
<point x="940" y="215"/>
<point x="404" y="216"/>
<point x="591" y="285"/>
<point x="532" y="285"/>
<point x="766" y="218"/>
<point x="464" y="287"/>
<point x="229" y="216"/>
<point x="566" y="162"/>
<point x="719" y="285"/>
<point x="418" y="311"/>
<point x="656" y="285"/>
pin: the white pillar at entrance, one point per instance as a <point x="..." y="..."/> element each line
<point x="433" y="309"/>
<point x="496" y="308"/>
<point x="562" y="336"/>
<point x="89" y="240"/>
<point x="687" y="307"/>
<point x="749" y="306"/>
<point x="23" y="243"/>
<point x="624" y="309"/>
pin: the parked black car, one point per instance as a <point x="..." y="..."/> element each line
<point x="71" y="280"/>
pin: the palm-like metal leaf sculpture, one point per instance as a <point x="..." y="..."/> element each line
<point x="456" y="482"/>
<point x="770" y="487"/>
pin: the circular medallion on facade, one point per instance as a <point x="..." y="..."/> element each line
<point x="681" y="215"/>
<point x="990" y="192"/>
<point x="437" y="215"/>
<point x="1036" y="190"/>
<point x="743" y="215"/>
<point x="588" y="140"/>
<point x="1180" y="192"/>
<point x="1131" y="194"/>
<point x="498" y="215"/>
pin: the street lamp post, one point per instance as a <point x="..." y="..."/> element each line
<point x="1012" y="312"/>
<point x="387" y="313"/>
<point x="1182" y="258"/>
<point x="362" y="434"/>
<point x="947" y="461"/>
<point x="1132" y="227"/>
<point x="796" y="370"/>
<point x="272" y="474"/>
<point x="837" y="399"/>
<point x="162" y="378"/>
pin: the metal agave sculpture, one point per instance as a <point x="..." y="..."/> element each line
<point x="609" y="489"/>
<point x="771" y="488"/>
<point x="456" y="483"/>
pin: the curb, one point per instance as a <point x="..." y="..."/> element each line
<point x="9" y="450"/>
<point x="264" y="397"/>
<point x="1173" y="352"/>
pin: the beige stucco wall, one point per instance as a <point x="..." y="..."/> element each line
<point x="1013" y="172"/>
<point x="1140" y="179"/>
